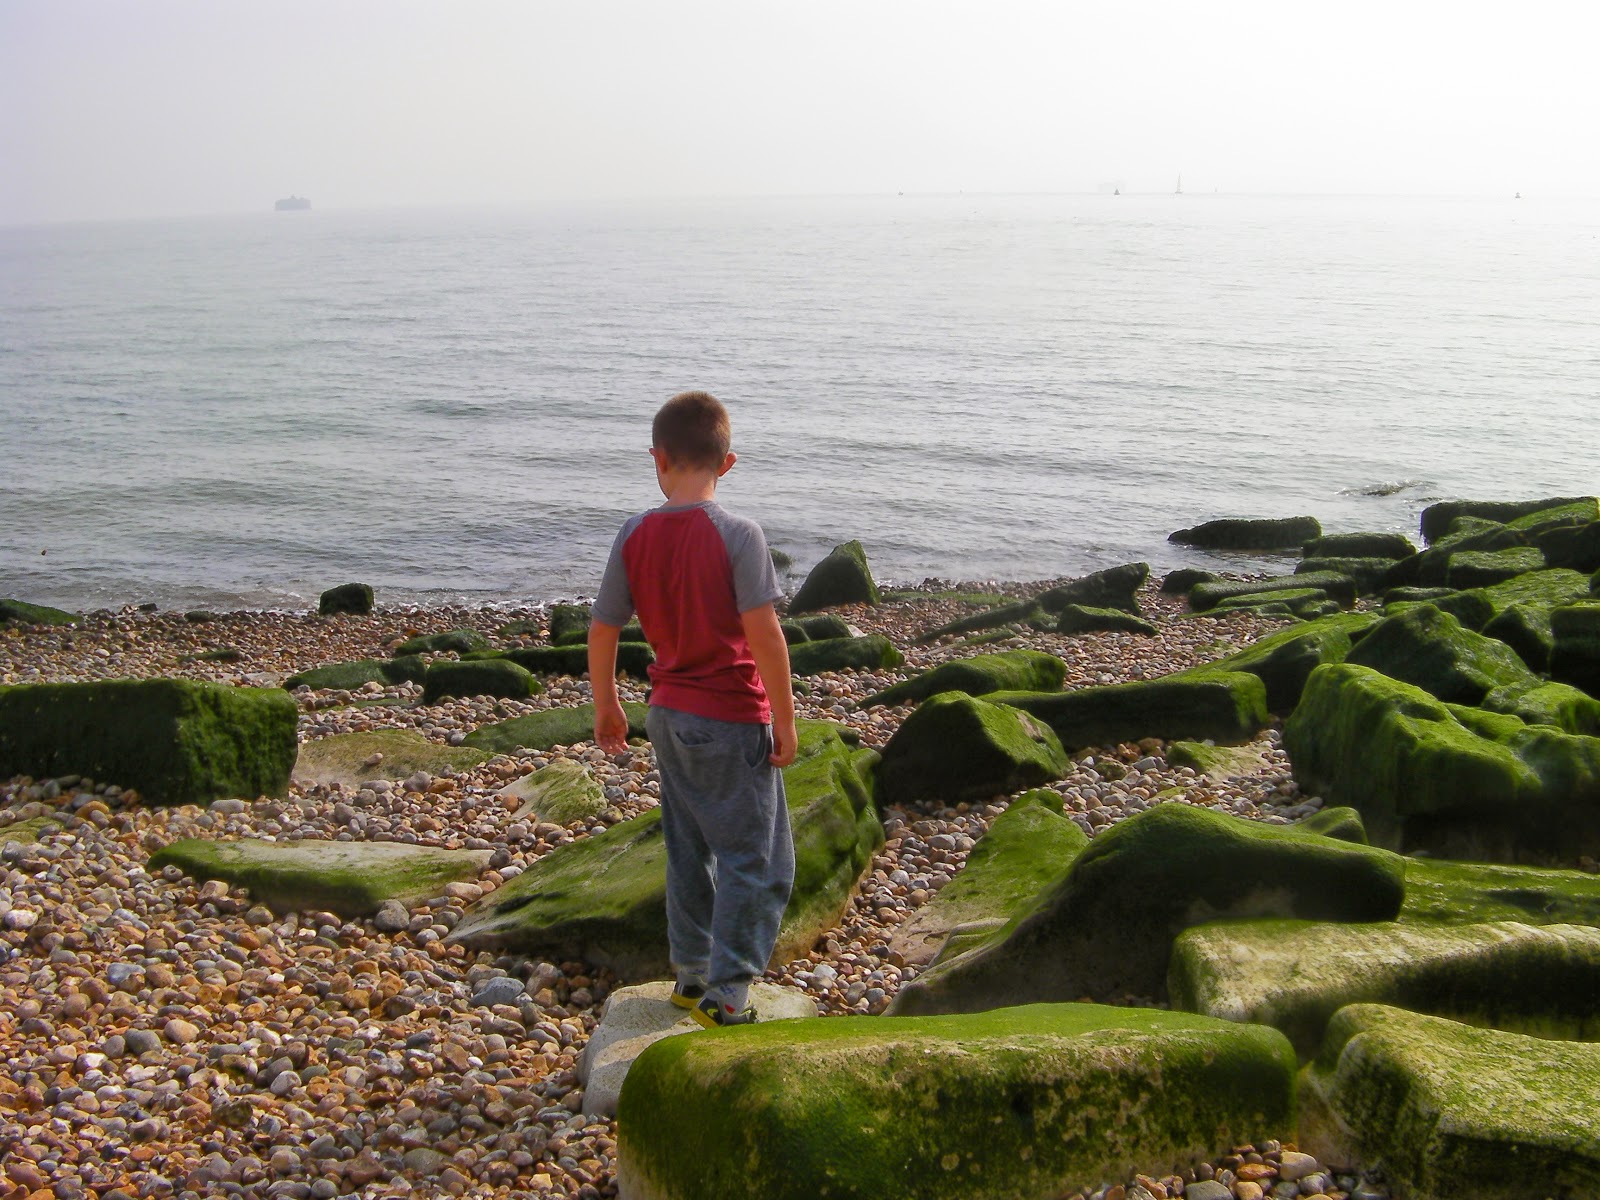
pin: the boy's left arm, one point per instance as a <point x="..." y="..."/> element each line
<point x="771" y="651"/>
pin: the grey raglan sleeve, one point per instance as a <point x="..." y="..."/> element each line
<point x="614" y="604"/>
<point x="755" y="579"/>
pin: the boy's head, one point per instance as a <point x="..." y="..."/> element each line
<point x="691" y="432"/>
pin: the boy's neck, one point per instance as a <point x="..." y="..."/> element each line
<point x="683" y="486"/>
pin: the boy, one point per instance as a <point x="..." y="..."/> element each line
<point x="721" y="713"/>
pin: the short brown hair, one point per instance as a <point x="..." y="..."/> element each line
<point x="692" y="430"/>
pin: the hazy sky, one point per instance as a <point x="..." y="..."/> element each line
<point x="129" y="108"/>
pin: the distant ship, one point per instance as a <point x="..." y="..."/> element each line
<point x="292" y="204"/>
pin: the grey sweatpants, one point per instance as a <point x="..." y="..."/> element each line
<point x="730" y="855"/>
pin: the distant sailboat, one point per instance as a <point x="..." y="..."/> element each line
<point x="1178" y="191"/>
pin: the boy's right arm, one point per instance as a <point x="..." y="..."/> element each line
<point x="610" y="722"/>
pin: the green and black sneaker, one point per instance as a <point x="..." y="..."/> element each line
<point x="711" y="1014"/>
<point x="687" y="995"/>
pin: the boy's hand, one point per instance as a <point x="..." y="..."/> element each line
<point x="611" y="727"/>
<point x="784" y="743"/>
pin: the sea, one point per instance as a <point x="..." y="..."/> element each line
<point x="454" y="405"/>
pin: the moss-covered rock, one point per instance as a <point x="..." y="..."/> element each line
<point x="485" y="677"/>
<point x="177" y="741"/>
<point x="1572" y="515"/>
<point x="871" y="653"/>
<point x="1284" y="601"/>
<point x="351" y="758"/>
<point x="1454" y="1112"/>
<point x="1285" y="659"/>
<point x="560" y="793"/>
<point x="1575" y="645"/>
<point x="1239" y="533"/>
<point x="458" y="640"/>
<point x="1294" y="975"/>
<point x="1370" y="574"/>
<point x="1024" y="1104"/>
<point x="1451" y="780"/>
<point x="1569" y="709"/>
<point x="521" y="627"/>
<point x="1438" y="518"/>
<point x="1439" y="891"/>
<point x="1526" y="629"/>
<point x="552" y="727"/>
<point x="1482" y="568"/>
<point x="1181" y="581"/>
<point x="1105" y="929"/>
<point x="1080" y="618"/>
<point x="1114" y="587"/>
<point x="353" y="599"/>
<point x="819" y="627"/>
<point x="351" y="879"/>
<point x="1205" y="596"/>
<point x="603" y="899"/>
<point x="1416" y="595"/>
<point x="1577" y="547"/>
<point x="955" y="747"/>
<point x="1015" y="670"/>
<point x="1339" y="822"/>
<point x="990" y="618"/>
<point x="20" y="612"/>
<point x="1026" y="849"/>
<point x="633" y="658"/>
<point x="352" y="676"/>
<point x="842" y="578"/>
<point x="1219" y="763"/>
<point x="1204" y="704"/>
<point x="1430" y="650"/>
<point x="32" y="830"/>
<point x="793" y="634"/>
<point x="1431" y="567"/>
<point x="1391" y="546"/>
<point x="568" y="623"/>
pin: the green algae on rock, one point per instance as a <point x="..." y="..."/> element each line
<point x="1082" y="618"/>
<point x="20" y="612"/>
<point x="1483" y="568"/>
<point x="1244" y="533"/>
<point x="1204" y="596"/>
<point x="1104" y="930"/>
<point x="1022" y="1104"/>
<point x="1436" y="519"/>
<point x="990" y="618"/>
<point x="603" y="898"/>
<point x="560" y="793"/>
<point x="1027" y="848"/>
<point x="459" y="640"/>
<point x="348" y="599"/>
<point x="1391" y="546"/>
<point x="1216" y="762"/>
<point x="1202" y="704"/>
<point x="1345" y="824"/>
<point x="177" y="741"/>
<point x="633" y="658"/>
<point x="1182" y="581"/>
<point x="1294" y="975"/>
<point x="1575" y="645"/>
<point x="352" y="758"/>
<point x="483" y="677"/>
<point x="1369" y="574"/>
<point x="841" y="578"/>
<point x="350" y="879"/>
<point x="1113" y="587"/>
<point x="1454" y="1112"/>
<point x="550" y="727"/>
<point x="1431" y="650"/>
<point x="871" y="653"/>
<point x="1439" y="891"/>
<point x="1012" y="670"/>
<point x="352" y="676"/>
<point x="1284" y="660"/>
<point x="956" y="747"/>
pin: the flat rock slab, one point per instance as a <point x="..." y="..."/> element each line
<point x="563" y="792"/>
<point x="1028" y="1102"/>
<point x="351" y="758"/>
<point x="1295" y="975"/>
<point x="1455" y="1112"/>
<point x="352" y="879"/>
<point x="637" y="1017"/>
<point x="548" y="728"/>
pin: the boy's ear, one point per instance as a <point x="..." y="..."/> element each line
<point x="727" y="464"/>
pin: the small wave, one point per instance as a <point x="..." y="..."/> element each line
<point x="1382" y="489"/>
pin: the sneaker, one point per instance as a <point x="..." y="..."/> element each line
<point x="711" y="1014"/>
<point x="687" y="995"/>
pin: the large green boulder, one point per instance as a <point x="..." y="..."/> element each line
<point x="602" y="899"/>
<point x="1239" y="533"/>
<point x="1024" y="1104"/>
<point x="1205" y="703"/>
<point x="1369" y="574"/>
<point x="1285" y="659"/>
<point x="633" y="658"/>
<point x="1483" y="568"/>
<point x="1430" y="650"/>
<point x="352" y="676"/>
<point x="1026" y="849"/>
<point x="459" y="640"/>
<point x="1450" y="780"/>
<point x="990" y="618"/>
<point x="20" y="612"/>
<point x="956" y="747"/>
<point x="1205" y="596"/>
<point x="1015" y="670"/>
<point x="1114" y="587"/>
<point x="1391" y="546"/>
<point x="351" y="879"/>
<point x="1282" y="602"/>
<point x="1081" y="618"/>
<point x="1439" y="891"/>
<point x="569" y="623"/>
<point x="1574" y="514"/>
<point x="1438" y="518"/>
<point x="177" y="741"/>
<point x="1467" y="534"/>
<point x="1569" y="709"/>
<point x="483" y="677"/>
<point x="551" y="727"/>
<point x="1575" y="645"/>
<point x="1182" y="580"/>
<point x="1526" y="629"/>
<point x="560" y="793"/>
<point x="819" y="627"/>
<point x="1294" y="975"/>
<point x="1577" y="547"/>
<point x="1454" y="1112"/>
<point x="352" y="599"/>
<point x="871" y="653"/>
<point x="1104" y="930"/>
<point x="349" y="759"/>
<point x="842" y="578"/>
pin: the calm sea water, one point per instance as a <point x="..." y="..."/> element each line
<point x="455" y="404"/>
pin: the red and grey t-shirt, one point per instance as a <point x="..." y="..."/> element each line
<point x="689" y="573"/>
